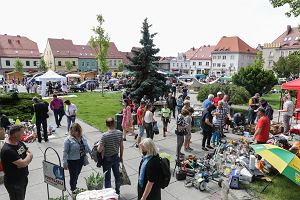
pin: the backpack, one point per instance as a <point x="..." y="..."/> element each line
<point x="165" y="172"/>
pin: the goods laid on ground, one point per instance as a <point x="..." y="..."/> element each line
<point x="105" y="194"/>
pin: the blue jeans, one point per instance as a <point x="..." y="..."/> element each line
<point x="112" y="162"/>
<point x="216" y="136"/>
<point x="70" y="120"/>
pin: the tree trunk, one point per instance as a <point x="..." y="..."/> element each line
<point x="102" y="87"/>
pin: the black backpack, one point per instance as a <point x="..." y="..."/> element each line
<point x="165" y="173"/>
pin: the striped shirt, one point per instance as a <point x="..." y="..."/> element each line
<point x="219" y="120"/>
<point x="111" y="142"/>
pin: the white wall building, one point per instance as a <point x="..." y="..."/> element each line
<point x="180" y="64"/>
<point x="230" y="54"/>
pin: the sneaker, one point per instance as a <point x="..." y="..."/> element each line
<point x="136" y="146"/>
<point x="204" y="148"/>
<point x="124" y="139"/>
<point x="67" y="133"/>
<point x="210" y="147"/>
<point x="136" y="135"/>
<point x="191" y="149"/>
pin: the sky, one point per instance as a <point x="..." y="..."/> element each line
<point x="180" y="24"/>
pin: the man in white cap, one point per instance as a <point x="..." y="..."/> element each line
<point x="218" y="98"/>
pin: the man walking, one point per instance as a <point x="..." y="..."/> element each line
<point x="41" y="111"/>
<point x="140" y="119"/>
<point x="15" y="158"/>
<point x="111" y="143"/>
<point x="57" y="106"/>
<point x="71" y="111"/>
<point x="171" y="102"/>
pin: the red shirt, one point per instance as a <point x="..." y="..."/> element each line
<point x="140" y="115"/>
<point x="264" y="124"/>
<point x="216" y="100"/>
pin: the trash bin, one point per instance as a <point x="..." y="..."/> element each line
<point x="119" y="118"/>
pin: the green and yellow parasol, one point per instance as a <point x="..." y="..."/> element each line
<point x="284" y="161"/>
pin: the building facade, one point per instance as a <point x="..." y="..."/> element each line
<point x="285" y="44"/>
<point x="180" y="64"/>
<point x="58" y="52"/>
<point x="18" y="47"/>
<point x="200" y="61"/>
<point x="229" y="55"/>
<point x="114" y="57"/>
<point x="86" y="58"/>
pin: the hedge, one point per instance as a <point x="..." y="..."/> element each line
<point x="16" y="105"/>
<point x="237" y="94"/>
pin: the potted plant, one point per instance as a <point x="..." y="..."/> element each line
<point x="94" y="182"/>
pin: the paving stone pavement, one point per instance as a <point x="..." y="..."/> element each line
<point x="176" y="190"/>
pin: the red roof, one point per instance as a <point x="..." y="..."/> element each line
<point x="291" y="85"/>
<point x="113" y="52"/>
<point x="18" y="46"/>
<point x="289" y="39"/>
<point x="62" y="48"/>
<point x="233" y="45"/>
<point x="85" y="51"/>
<point x="202" y="53"/>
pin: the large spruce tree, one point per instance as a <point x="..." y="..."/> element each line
<point x="147" y="81"/>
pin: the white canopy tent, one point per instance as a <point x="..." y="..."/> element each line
<point x="49" y="76"/>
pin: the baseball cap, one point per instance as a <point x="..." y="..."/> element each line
<point x="219" y="93"/>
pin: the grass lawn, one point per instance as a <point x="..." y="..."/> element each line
<point x="280" y="189"/>
<point x="273" y="99"/>
<point x="94" y="109"/>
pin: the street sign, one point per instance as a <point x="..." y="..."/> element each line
<point x="54" y="175"/>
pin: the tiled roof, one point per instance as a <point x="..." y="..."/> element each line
<point x="113" y="52"/>
<point x="126" y="61"/>
<point x="202" y="53"/>
<point x="85" y="51"/>
<point x="233" y="45"/>
<point x="18" y="46"/>
<point x="289" y="39"/>
<point x="62" y="48"/>
<point x="190" y="53"/>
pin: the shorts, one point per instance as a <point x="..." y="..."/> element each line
<point x="188" y="136"/>
<point x="141" y="130"/>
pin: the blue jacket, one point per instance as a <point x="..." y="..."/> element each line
<point x="72" y="149"/>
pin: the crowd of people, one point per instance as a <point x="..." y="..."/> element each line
<point x="217" y="118"/>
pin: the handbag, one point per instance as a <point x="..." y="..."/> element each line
<point x="155" y="128"/>
<point x="124" y="178"/>
<point x="96" y="156"/>
<point x="33" y="119"/>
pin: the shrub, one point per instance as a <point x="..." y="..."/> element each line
<point x="238" y="95"/>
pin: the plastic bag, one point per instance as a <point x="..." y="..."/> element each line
<point x="124" y="176"/>
<point x="33" y="120"/>
<point x="155" y="128"/>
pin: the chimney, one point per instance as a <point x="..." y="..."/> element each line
<point x="18" y="36"/>
<point x="288" y="29"/>
<point x="193" y="48"/>
<point x="5" y="34"/>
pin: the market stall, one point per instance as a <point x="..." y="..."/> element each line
<point x="294" y="85"/>
<point x="14" y="76"/>
<point x="49" y="76"/>
<point x="88" y="75"/>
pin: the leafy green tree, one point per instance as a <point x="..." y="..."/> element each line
<point x="69" y="65"/>
<point x="144" y="68"/>
<point x="281" y="68"/>
<point x="288" y="66"/>
<point x="42" y="66"/>
<point x="255" y="78"/>
<point x="18" y="65"/>
<point x="294" y="6"/>
<point x="121" y="67"/>
<point x="100" y="42"/>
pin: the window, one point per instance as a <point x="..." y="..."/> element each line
<point x="181" y="65"/>
<point x="93" y="64"/>
<point x="82" y="64"/>
<point x="194" y="63"/>
<point x="223" y="65"/>
<point x="271" y="54"/>
<point x="270" y="63"/>
<point x="177" y="64"/>
<point x="74" y="63"/>
<point x="59" y="63"/>
<point x="289" y="38"/>
<point x="219" y="65"/>
<point x="297" y="38"/>
<point x="34" y="63"/>
<point x="200" y="63"/>
<point x="231" y="57"/>
<point x="207" y="63"/>
<point x="224" y="57"/>
<point x="173" y="64"/>
<point x="214" y="57"/>
<point x="87" y="63"/>
<point x="7" y="62"/>
<point x="282" y="53"/>
<point x="115" y="62"/>
<point x="219" y="57"/>
<point x="185" y="64"/>
<point x="214" y="64"/>
<point x="27" y="63"/>
<point x="285" y="39"/>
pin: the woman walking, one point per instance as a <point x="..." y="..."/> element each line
<point x="127" y="125"/>
<point x="148" y="181"/>
<point x="71" y="111"/>
<point x="181" y="131"/>
<point x="74" y="155"/>
<point x="165" y="118"/>
<point x="148" y="121"/>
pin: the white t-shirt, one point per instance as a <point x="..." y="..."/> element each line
<point x="71" y="110"/>
<point x="288" y="105"/>
<point x="147" y="117"/>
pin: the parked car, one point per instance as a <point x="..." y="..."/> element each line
<point x="85" y="85"/>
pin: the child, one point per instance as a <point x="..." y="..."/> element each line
<point x="216" y="135"/>
<point x="188" y="136"/>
